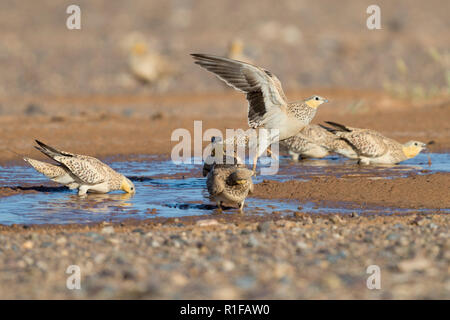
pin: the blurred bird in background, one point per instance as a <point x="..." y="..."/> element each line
<point x="147" y="65"/>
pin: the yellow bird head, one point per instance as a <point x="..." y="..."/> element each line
<point x="127" y="185"/>
<point x="236" y="47"/>
<point x="413" y="148"/>
<point x="140" y="48"/>
<point x="315" y="101"/>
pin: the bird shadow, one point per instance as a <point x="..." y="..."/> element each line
<point x="189" y="206"/>
<point x="40" y="188"/>
<point x="140" y="178"/>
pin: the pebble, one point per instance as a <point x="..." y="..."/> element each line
<point x="302" y="245"/>
<point x="154" y="244"/>
<point x="27" y="245"/>
<point x="61" y="240"/>
<point x="416" y="264"/>
<point x="228" y="265"/>
<point x="207" y="222"/>
<point x="107" y="230"/>
<point x="252" y="242"/>
<point x="264" y="226"/>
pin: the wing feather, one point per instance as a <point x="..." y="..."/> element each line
<point x="264" y="92"/>
<point x="88" y="170"/>
<point x="366" y="144"/>
<point x="215" y="183"/>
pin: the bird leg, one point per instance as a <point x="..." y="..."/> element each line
<point x="294" y="156"/>
<point x="82" y="190"/>
<point x="255" y="161"/>
<point x="241" y="206"/>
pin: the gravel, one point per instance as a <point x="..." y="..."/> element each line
<point x="237" y="257"/>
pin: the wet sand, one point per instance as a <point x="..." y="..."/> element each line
<point x="414" y="191"/>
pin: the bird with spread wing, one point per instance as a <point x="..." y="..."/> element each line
<point x="268" y="107"/>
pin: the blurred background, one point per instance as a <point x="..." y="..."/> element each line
<point x="142" y="46"/>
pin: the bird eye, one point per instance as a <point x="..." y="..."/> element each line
<point x="317" y="98"/>
<point x="415" y="143"/>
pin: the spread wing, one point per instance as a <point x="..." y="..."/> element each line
<point x="263" y="89"/>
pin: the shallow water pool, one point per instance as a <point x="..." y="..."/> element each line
<point x="165" y="189"/>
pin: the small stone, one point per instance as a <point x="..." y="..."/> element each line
<point x="301" y="245"/>
<point x="179" y="280"/>
<point x="27" y="245"/>
<point x="354" y="215"/>
<point x="416" y="264"/>
<point x="228" y="265"/>
<point x="107" y="230"/>
<point x="61" y="240"/>
<point x="207" y="222"/>
<point x="46" y="244"/>
<point x="252" y="242"/>
<point x="42" y="265"/>
<point x="113" y="240"/>
<point x="33" y="109"/>
<point x="393" y="236"/>
<point x="264" y="226"/>
<point x="337" y="219"/>
<point x="154" y="244"/>
<point x="245" y="282"/>
<point x="138" y="230"/>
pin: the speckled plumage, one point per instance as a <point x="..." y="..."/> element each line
<point x="224" y="187"/>
<point x="78" y="171"/>
<point x="54" y="172"/>
<point x="370" y="146"/>
<point x="313" y="141"/>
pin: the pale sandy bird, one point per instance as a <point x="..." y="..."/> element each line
<point x="229" y="184"/>
<point x="267" y="104"/>
<point x="149" y="66"/>
<point x="313" y="141"/>
<point x="236" y="51"/>
<point x="371" y="147"/>
<point x="87" y="174"/>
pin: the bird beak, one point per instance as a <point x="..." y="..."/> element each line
<point x="325" y="100"/>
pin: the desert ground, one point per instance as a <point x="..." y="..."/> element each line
<point x="73" y="90"/>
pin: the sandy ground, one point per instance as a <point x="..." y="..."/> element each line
<point x="230" y="257"/>
<point x="114" y="125"/>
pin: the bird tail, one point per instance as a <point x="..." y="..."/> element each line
<point x="34" y="163"/>
<point x="337" y="126"/>
<point x="332" y="130"/>
<point x="50" y="151"/>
